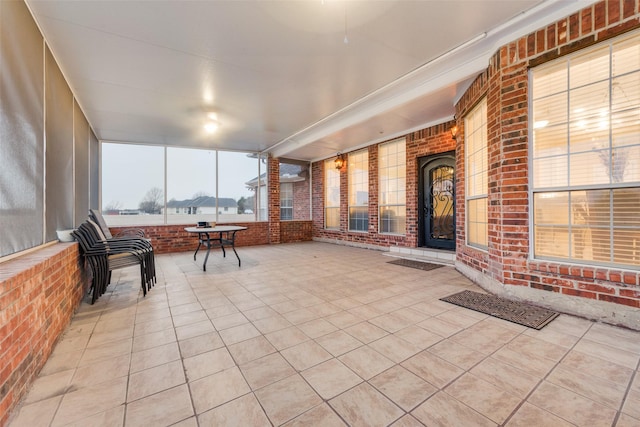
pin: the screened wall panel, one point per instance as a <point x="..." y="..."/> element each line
<point x="21" y="129"/>
<point x="59" y="149"/>
<point x="94" y="171"/>
<point x="81" y="160"/>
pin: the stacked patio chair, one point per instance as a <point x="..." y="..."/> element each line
<point x="97" y="217"/>
<point x="105" y="255"/>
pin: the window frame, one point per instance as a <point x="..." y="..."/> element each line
<point x="401" y="174"/>
<point x="288" y="207"/>
<point x="469" y="132"/>
<point x="351" y="164"/>
<point x="330" y="169"/>
<point x="571" y="188"/>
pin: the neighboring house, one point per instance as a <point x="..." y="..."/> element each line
<point x="294" y="186"/>
<point x="201" y="206"/>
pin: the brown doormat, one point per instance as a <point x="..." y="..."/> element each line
<point x="502" y="308"/>
<point x="426" y="266"/>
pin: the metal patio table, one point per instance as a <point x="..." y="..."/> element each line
<point x="216" y="237"/>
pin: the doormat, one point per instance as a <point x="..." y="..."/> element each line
<point x="502" y="308"/>
<point x="426" y="266"/>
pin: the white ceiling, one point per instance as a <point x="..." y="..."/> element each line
<point x="278" y="74"/>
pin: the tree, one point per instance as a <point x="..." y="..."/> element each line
<point x="242" y="205"/>
<point x="112" y="207"/>
<point x="153" y="201"/>
<point x="200" y="194"/>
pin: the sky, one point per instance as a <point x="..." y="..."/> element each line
<point x="130" y="171"/>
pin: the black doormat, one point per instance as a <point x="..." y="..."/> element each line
<point x="426" y="266"/>
<point x="502" y="308"/>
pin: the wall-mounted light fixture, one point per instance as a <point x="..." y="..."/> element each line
<point x="340" y="161"/>
<point x="454" y="130"/>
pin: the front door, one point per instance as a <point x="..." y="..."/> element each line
<point x="437" y="201"/>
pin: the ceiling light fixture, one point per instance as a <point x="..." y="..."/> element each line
<point x="211" y="127"/>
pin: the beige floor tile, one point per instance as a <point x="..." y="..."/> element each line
<point x="390" y="322"/>
<point x="364" y="406"/>
<point x="407" y="421"/>
<point x="243" y="411"/>
<point x="431" y="308"/>
<point x="300" y="315"/>
<point x="456" y="353"/>
<point x="632" y="404"/>
<point x="321" y="415"/>
<point x="98" y="339"/>
<point x="581" y="411"/>
<point x="366" y="362"/>
<point x="534" y="365"/>
<point x="331" y="378"/>
<point x="489" y="400"/>
<point x="92" y="400"/>
<point x="305" y="355"/>
<point x="346" y="303"/>
<point x="216" y="389"/>
<point x="107" y="370"/>
<point x="238" y="334"/>
<point x="48" y="386"/>
<point x="153" y="380"/>
<point x="440" y="327"/>
<point x="154" y="339"/>
<point x="194" y="330"/>
<point x="154" y="356"/>
<point x="432" y="369"/>
<point x="505" y="377"/>
<point x="207" y="363"/>
<point x="259" y="313"/>
<point x="598" y="389"/>
<point x="553" y="336"/>
<point x="366" y="332"/>
<point x="317" y="328"/>
<point x="72" y="343"/>
<point x="39" y="413"/>
<point x="325" y="309"/>
<point x="343" y="319"/>
<point x="251" y="349"/>
<point x="607" y="352"/>
<point x="581" y="362"/>
<point x="366" y="312"/>
<point x="229" y="321"/>
<point x="395" y="348"/>
<point x="153" y="316"/>
<point x="221" y="310"/>
<point x="144" y="328"/>
<point x="533" y="347"/>
<point x="286" y="338"/>
<point x="189" y="318"/>
<point x="164" y="408"/>
<point x="59" y="362"/>
<point x="418" y="336"/>
<point x="622" y="339"/>
<point x="266" y="370"/>
<point x="272" y="324"/>
<point x="200" y="344"/>
<point x="105" y="351"/>
<point x="402" y="387"/>
<point x="113" y="417"/>
<point x="529" y="415"/>
<point x="338" y="343"/>
<point x="285" y="306"/>
<point x="189" y="422"/>
<point x="286" y="399"/>
<point x="443" y="410"/>
<point x="627" y="421"/>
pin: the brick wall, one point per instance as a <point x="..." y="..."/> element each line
<point x="505" y="84"/>
<point x="301" y="200"/>
<point x="434" y="140"/>
<point x="39" y="292"/>
<point x="173" y="238"/>
<point x="295" y="231"/>
<point x="274" y="200"/>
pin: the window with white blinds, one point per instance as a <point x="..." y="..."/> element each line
<point x="476" y="176"/>
<point x="331" y="195"/>
<point x="586" y="155"/>
<point x="392" y="168"/>
<point x="359" y="191"/>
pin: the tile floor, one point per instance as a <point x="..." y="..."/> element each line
<point x="314" y="334"/>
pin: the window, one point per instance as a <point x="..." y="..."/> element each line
<point x="331" y="195"/>
<point x="391" y="185"/>
<point x="476" y="175"/>
<point x="202" y="185"/>
<point x="359" y="190"/>
<point x="586" y="155"/>
<point x="286" y="201"/>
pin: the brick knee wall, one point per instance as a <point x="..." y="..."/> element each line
<point x="39" y="293"/>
